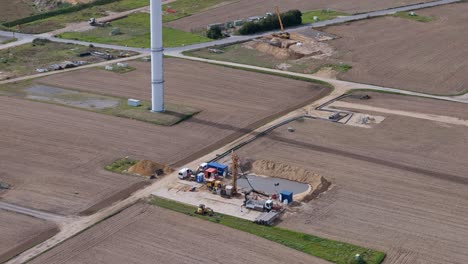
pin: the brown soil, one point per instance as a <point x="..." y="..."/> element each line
<point x="20" y="232"/>
<point x="149" y="168"/>
<point x="402" y="53"/>
<point x="412" y="104"/>
<point x="145" y="233"/>
<point x="399" y="187"/>
<point x="285" y="171"/>
<point x="245" y="8"/>
<point x="15" y="9"/>
<point x="63" y="150"/>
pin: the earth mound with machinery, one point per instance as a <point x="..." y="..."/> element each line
<point x="150" y="168"/>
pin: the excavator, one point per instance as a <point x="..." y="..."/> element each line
<point x="203" y="210"/>
<point x="283" y="34"/>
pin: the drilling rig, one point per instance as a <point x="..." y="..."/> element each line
<point x="282" y="34"/>
<point x="235" y="169"/>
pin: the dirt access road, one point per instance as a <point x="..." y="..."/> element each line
<point x="406" y="54"/>
<point x="399" y="187"/>
<point x="411" y="103"/>
<point x="144" y="233"/>
<point x="20" y="232"/>
<point x="246" y="8"/>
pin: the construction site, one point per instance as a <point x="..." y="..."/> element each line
<point x="322" y="142"/>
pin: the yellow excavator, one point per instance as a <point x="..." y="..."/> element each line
<point x="283" y="34"/>
<point x="203" y="210"/>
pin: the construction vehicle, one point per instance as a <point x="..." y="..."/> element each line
<point x="259" y="205"/>
<point x="93" y="22"/>
<point x="203" y="210"/>
<point x="186" y="174"/>
<point x="283" y="34"/>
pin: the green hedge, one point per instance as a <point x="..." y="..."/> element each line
<point x="290" y="18"/>
<point x="57" y="12"/>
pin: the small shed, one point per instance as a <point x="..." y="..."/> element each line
<point x="286" y="195"/>
<point x="134" y="102"/>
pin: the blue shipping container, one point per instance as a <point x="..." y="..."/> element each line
<point x="286" y="195"/>
<point x="222" y="169"/>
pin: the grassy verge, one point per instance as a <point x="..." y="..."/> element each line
<point x="60" y="21"/>
<point x="135" y="32"/>
<point x="338" y="67"/>
<point x="174" y="114"/>
<point x="24" y="59"/>
<point x="118" y="69"/>
<point x="308" y="16"/>
<point x="8" y="41"/>
<point x="188" y="7"/>
<point x="121" y="165"/>
<point x="334" y="251"/>
<point x="418" y="18"/>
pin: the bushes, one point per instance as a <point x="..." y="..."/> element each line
<point x="290" y="18"/>
<point x="214" y="33"/>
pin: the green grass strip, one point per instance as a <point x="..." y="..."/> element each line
<point x="415" y="17"/>
<point x="308" y="16"/>
<point x="330" y="250"/>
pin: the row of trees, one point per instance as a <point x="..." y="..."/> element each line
<point x="289" y="18"/>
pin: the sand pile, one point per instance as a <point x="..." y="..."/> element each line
<point x="285" y="171"/>
<point x="149" y="168"/>
<point x="277" y="52"/>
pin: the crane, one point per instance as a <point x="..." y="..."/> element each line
<point x="283" y="34"/>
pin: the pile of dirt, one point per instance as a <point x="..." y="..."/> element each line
<point x="149" y="168"/>
<point x="291" y="49"/>
<point x="285" y="171"/>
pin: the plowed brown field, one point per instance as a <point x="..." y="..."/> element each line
<point x="412" y="104"/>
<point x="399" y="187"/>
<point x="54" y="156"/>
<point x="406" y="54"/>
<point x="20" y="232"/>
<point x="147" y="234"/>
<point x="246" y="8"/>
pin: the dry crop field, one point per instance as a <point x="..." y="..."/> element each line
<point x="54" y="155"/>
<point x="411" y="104"/>
<point x="406" y="54"/>
<point x="399" y="187"/>
<point x="14" y="9"/>
<point x="246" y="8"/>
<point x="144" y="233"/>
<point x="20" y="232"/>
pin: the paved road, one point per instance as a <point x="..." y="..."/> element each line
<point x="31" y="212"/>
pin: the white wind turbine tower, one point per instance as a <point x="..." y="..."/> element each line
<point x="157" y="74"/>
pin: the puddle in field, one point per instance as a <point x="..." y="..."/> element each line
<point x="70" y="98"/>
<point x="267" y="184"/>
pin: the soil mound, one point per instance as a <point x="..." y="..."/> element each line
<point x="149" y="168"/>
<point x="285" y="171"/>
